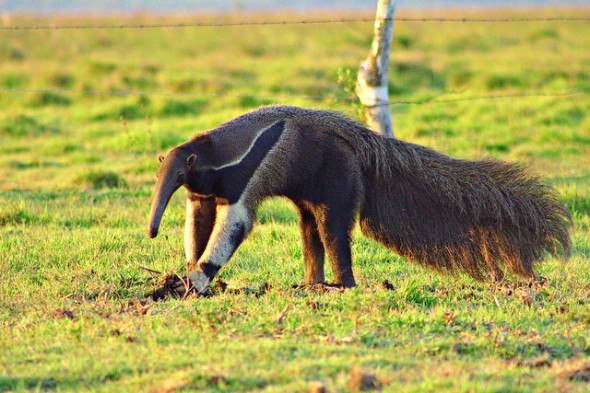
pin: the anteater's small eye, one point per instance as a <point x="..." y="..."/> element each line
<point x="180" y="178"/>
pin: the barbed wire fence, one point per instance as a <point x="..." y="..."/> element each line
<point x="285" y="22"/>
<point x="430" y="100"/>
<point x="6" y="26"/>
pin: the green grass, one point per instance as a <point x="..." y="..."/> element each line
<point x="77" y="172"/>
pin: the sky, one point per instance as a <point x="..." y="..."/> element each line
<point x="113" y="6"/>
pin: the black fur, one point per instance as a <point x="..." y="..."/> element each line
<point x="210" y="270"/>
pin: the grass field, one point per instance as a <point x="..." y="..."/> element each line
<point x="77" y="171"/>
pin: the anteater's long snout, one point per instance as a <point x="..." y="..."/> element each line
<point x="156" y="213"/>
<point x="152" y="232"/>
<point x="162" y="194"/>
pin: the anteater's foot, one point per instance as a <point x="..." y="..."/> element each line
<point x="175" y="286"/>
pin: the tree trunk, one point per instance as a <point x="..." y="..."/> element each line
<point x="371" y="87"/>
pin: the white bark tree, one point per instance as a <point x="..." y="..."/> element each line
<point x="371" y="87"/>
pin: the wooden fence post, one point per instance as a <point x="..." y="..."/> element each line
<point x="371" y="87"/>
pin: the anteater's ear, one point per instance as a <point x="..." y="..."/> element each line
<point x="160" y="158"/>
<point x="190" y="160"/>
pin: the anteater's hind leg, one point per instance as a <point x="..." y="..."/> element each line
<point x="313" y="249"/>
<point x="335" y="225"/>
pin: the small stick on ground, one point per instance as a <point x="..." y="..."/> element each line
<point x="281" y="317"/>
<point x="147" y="269"/>
<point x="497" y="302"/>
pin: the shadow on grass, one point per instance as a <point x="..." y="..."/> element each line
<point x="577" y="202"/>
<point x="219" y="381"/>
<point x="16" y="383"/>
<point x="8" y="383"/>
<point x="34" y="164"/>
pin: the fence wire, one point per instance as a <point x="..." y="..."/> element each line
<point x="161" y="93"/>
<point x="431" y="100"/>
<point x="285" y="22"/>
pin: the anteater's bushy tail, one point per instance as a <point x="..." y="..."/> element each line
<point x="478" y="217"/>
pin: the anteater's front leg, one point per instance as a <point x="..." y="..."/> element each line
<point x="231" y="227"/>
<point x="200" y="219"/>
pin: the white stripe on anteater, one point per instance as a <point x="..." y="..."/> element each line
<point x="240" y="159"/>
